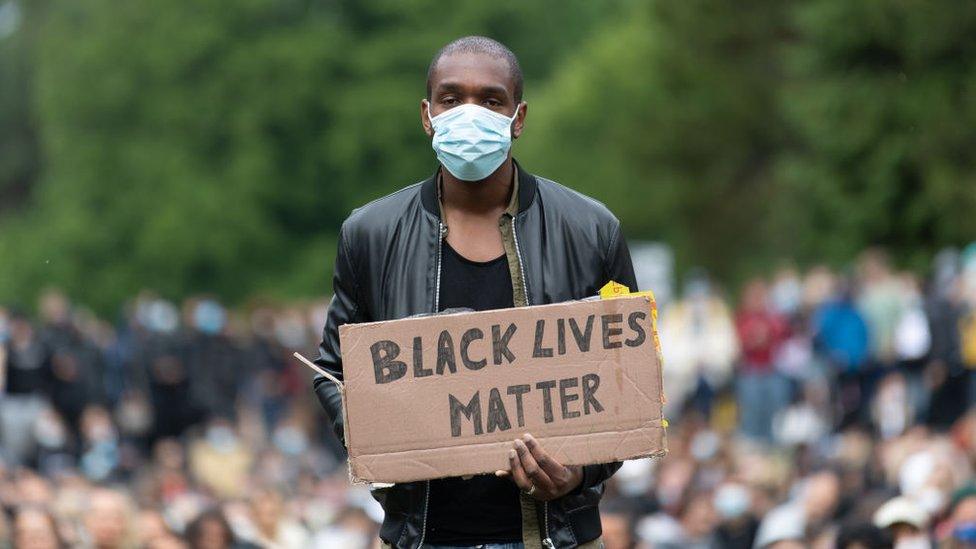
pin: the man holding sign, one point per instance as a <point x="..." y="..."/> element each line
<point x="482" y="234"/>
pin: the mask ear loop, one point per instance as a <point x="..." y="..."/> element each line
<point x="514" y="116"/>
<point x="512" y="120"/>
<point x="429" y="117"/>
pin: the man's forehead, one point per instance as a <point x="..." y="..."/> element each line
<point x="475" y="70"/>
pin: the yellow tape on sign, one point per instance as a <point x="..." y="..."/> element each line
<point x="615" y="289"/>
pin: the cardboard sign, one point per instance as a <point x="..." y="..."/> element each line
<point x="446" y="395"/>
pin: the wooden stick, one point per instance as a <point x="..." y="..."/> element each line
<point x="313" y="366"/>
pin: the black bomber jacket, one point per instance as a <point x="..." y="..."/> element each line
<point x="561" y="245"/>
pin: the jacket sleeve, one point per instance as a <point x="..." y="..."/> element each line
<point x="345" y="308"/>
<point x="619" y="268"/>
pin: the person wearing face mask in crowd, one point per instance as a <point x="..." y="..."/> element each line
<point x="738" y="526"/>
<point x="481" y="233"/>
<point x="99" y="444"/>
<point x="214" y="360"/>
<point x="220" y="460"/>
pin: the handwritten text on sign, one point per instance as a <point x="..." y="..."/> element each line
<point x="418" y="386"/>
<point x="549" y="341"/>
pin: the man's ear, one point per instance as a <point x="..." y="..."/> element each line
<point x="519" y="120"/>
<point x="424" y="120"/>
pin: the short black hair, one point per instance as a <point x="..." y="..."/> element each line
<point x="479" y="44"/>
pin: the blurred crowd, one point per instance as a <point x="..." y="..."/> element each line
<point x="825" y="408"/>
<point x="177" y="427"/>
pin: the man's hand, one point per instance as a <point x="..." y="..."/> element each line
<point x="537" y="474"/>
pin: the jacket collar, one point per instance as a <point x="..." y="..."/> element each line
<point x="526" y="191"/>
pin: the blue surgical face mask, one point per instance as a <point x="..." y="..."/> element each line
<point x="732" y="501"/>
<point x="209" y="317"/>
<point x="471" y="141"/>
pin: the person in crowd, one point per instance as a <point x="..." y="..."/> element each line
<point x="737" y="527"/>
<point x="272" y="527"/>
<point x="210" y="530"/>
<point x="808" y="516"/>
<point x="782" y="528"/>
<point x="221" y="460"/>
<point x="35" y="528"/>
<point x="353" y="527"/>
<point x="762" y="391"/>
<point x="702" y="347"/>
<point x="906" y="523"/>
<point x="215" y="362"/>
<point x="880" y="302"/>
<point x="960" y="527"/>
<point x="109" y="520"/>
<point x="152" y="530"/>
<point x="26" y="382"/>
<point x="75" y="364"/>
<point x="913" y="344"/>
<point x="617" y="520"/>
<point x="944" y="375"/>
<point x="786" y="291"/>
<point x="841" y="337"/>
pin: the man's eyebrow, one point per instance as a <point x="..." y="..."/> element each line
<point x="456" y="87"/>
<point x="496" y="90"/>
<point x="449" y="87"/>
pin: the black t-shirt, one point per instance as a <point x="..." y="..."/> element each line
<point x="27" y="368"/>
<point x="484" y="508"/>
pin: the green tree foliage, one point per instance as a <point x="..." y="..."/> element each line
<point x="668" y="117"/>
<point x="882" y="106"/>
<point x="216" y="145"/>
<point x="18" y="144"/>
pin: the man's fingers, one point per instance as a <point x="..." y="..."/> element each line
<point x="554" y="470"/>
<point x="518" y="473"/>
<point x="536" y="475"/>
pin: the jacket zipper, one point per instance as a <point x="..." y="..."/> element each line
<point x="518" y="254"/>
<point x="546" y="541"/>
<point x="423" y="531"/>
<point x="441" y="230"/>
<point x="437" y="306"/>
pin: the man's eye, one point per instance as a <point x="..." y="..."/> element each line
<point x="494" y="103"/>
<point x="449" y="101"/>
